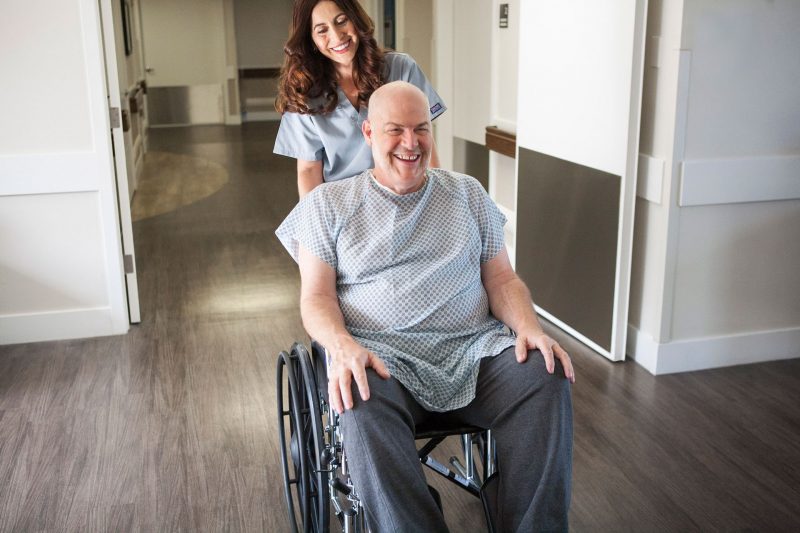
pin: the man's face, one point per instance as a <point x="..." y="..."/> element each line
<point x="399" y="132"/>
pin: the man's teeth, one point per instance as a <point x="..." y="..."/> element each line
<point x="407" y="157"/>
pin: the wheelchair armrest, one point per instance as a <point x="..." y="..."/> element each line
<point x="320" y="362"/>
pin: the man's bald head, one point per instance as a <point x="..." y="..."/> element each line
<point x="398" y="130"/>
<point x="396" y="94"/>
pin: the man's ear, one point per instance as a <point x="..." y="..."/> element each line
<point x="366" y="130"/>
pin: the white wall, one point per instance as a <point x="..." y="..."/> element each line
<point x="503" y="112"/>
<point x="184" y="42"/>
<point x="504" y="65"/>
<point x="190" y="43"/>
<point x="414" y="20"/>
<point x="442" y="77"/>
<point x="472" y="56"/>
<point x="261" y="31"/>
<point x="60" y="254"/>
<point x="743" y="103"/>
<point x="461" y="63"/>
<point x="717" y="267"/>
<point x="655" y="229"/>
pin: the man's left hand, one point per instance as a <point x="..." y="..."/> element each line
<point x="550" y="350"/>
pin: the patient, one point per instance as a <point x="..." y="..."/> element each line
<point x="407" y="283"/>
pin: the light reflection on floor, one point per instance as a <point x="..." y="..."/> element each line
<point x="170" y="181"/>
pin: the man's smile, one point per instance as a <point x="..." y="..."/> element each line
<point x="407" y="158"/>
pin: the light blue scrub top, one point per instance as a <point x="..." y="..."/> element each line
<point x="335" y="138"/>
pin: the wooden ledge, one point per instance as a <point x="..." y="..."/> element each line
<point x="501" y="141"/>
<point x="259" y="73"/>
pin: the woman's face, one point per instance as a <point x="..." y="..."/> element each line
<point x="334" y="34"/>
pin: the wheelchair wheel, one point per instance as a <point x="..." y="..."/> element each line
<point x="316" y="453"/>
<point x="305" y="478"/>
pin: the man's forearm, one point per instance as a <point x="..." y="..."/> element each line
<point x="323" y="320"/>
<point x="510" y="302"/>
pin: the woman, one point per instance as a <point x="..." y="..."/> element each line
<point x="332" y="66"/>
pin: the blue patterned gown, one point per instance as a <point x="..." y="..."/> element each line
<point x="408" y="275"/>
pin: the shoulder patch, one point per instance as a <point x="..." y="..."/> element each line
<point x="435" y="108"/>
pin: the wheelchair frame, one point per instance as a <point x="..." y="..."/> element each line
<point x="313" y="459"/>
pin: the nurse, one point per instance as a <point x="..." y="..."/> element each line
<point x="332" y="65"/>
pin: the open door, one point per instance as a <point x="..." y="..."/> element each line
<point x="580" y="82"/>
<point x="61" y="271"/>
<point x="117" y="112"/>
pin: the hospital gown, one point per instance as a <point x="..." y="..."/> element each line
<point x="408" y="275"/>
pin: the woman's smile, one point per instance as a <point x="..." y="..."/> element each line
<point x="342" y="48"/>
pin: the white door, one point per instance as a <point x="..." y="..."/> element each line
<point x="580" y="74"/>
<point x="120" y="162"/>
<point x="61" y="261"/>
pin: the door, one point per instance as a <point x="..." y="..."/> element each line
<point x="120" y="162"/>
<point x="61" y="261"/>
<point x="580" y="76"/>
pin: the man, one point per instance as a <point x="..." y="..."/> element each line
<point x="407" y="283"/>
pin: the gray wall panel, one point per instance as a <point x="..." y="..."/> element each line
<point x="199" y="104"/>
<point x="567" y="221"/>
<point x="472" y="159"/>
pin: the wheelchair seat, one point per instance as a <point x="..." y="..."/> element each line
<point x="438" y="425"/>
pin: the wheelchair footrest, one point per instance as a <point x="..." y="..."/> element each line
<point x="442" y="470"/>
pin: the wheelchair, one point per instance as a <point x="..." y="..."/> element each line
<point x="317" y="485"/>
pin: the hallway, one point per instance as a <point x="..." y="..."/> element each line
<point x="172" y="427"/>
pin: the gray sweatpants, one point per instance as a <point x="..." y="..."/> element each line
<point x="530" y="414"/>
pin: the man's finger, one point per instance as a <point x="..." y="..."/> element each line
<point x="377" y="364"/>
<point x="547" y="353"/>
<point x="347" y="394"/>
<point x="361" y="382"/>
<point x="334" y="397"/>
<point x="566" y="362"/>
<point x="521" y="349"/>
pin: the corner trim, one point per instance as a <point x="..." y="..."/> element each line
<point x="650" y="179"/>
<point x="737" y="180"/>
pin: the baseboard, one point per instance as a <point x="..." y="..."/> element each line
<point x="699" y="354"/>
<point x="59" y="325"/>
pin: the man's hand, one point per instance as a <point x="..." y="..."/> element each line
<point x="533" y="339"/>
<point x="349" y="361"/>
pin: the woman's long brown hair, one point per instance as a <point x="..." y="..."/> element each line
<point x="307" y="74"/>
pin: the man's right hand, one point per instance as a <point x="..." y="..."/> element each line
<point x="348" y="361"/>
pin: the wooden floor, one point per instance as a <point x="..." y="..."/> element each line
<point x="172" y="427"/>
